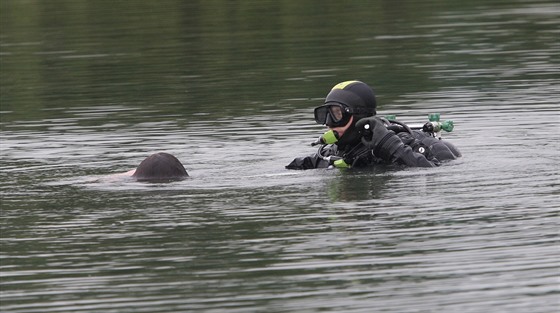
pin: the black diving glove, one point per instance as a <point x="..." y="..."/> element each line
<point x="375" y="136"/>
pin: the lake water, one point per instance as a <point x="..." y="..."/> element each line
<point x="91" y="88"/>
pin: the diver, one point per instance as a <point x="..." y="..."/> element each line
<point x="358" y="138"/>
<point x="159" y="167"/>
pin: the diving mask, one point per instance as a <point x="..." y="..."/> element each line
<point x="332" y="114"/>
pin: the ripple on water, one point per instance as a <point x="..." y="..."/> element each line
<point x="243" y="234"/>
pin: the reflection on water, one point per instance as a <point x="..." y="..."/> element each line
<point x="88" y="91"/>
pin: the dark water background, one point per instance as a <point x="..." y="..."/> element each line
<point x="90" y="88"/>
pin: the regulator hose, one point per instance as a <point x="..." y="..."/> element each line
<point x="396" y="126"/>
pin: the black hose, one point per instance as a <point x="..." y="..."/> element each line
<point x="394" y="128"/>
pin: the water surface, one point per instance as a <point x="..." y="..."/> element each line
<point x="90" y="89"/>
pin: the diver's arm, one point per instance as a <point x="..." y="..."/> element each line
<point x="440" y="149"/>
<point x="309" y="162"/>
<point x="393" y="150"/>
<point x="386" y="145"/>
<point x="306" y="163"/>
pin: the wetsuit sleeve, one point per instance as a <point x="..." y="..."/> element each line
<point x="439" y="149"/>
<point x="311" y="162"/>
<point x="405" y="155"/>
<point x="393" y="150"/>
<point x="308" y="162"/>
<point x="418" y="149"/>
<point x="388" y="146"/>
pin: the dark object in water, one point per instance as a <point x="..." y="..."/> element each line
<point x="159" y="167"/>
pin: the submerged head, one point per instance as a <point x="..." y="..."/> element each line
<point x="160" y="166"/>
<point x="346" y="103"/>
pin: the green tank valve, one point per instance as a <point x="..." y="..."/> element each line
<point x="447" y="125"/>
<point x="433" y="117"/>
<point x="436" y="127"/>
<point x="341" y="164"/>
<point x="391" y="117"/>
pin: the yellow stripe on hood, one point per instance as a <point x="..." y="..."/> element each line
<point x="344" y="84"/>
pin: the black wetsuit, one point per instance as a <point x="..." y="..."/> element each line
<point x="416" y="149"/>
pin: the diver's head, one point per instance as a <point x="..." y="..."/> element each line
<point x="160" y="166"/>
<point x="346" y="103"/>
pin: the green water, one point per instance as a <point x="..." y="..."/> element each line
<point x="90" y="88"/>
